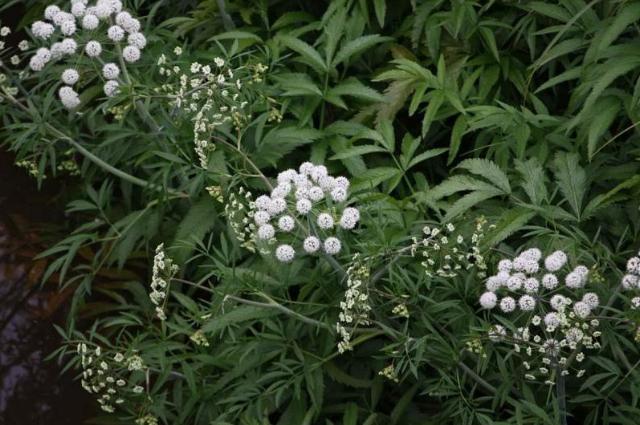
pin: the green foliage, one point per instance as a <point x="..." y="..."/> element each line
<point x="523" y="114"/>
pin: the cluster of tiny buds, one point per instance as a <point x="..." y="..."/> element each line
<point x="307" y="201"/>
<point x="7" y="50"/>
<point x="631" y="280"/>
<point x="355" y="308"/>
<point x="239" y="210"/>
<point x="163" y="272"/>
<point x="446" y="253"/>
<point x="102" y="375"/>
<point x="87" y="18"/>
<point x="211" y="95"/>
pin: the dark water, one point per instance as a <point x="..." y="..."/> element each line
<point x="32" y="390"/>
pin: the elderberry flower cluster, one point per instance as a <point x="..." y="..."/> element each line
<point x="110" y="377"/>
<point x="446" y="252"/>
<point x="239" y="210"/>
<point x="307" y="205"/>
<point x="355" y="308"/>
<point x="103" y="32"/>
<point x="163" y="271"/>
<point x="212" y="96"/>
<point x="553" y="317"/>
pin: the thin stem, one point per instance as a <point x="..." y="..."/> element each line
<point x="561" y="397"/>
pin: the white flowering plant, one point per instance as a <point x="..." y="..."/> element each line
<point x="350" y="212"/>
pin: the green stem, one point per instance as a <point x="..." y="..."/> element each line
<point x="561" y="398"/>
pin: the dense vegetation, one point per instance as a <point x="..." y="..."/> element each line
<point x="467" y="133"/>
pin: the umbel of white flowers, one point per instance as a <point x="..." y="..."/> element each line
<point x="76" y="32"/>
<point x="557" y="313"/>
<point x="307" y="204"/>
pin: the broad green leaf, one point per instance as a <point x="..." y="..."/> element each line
<point x="437" y="97"/>
<point x="459" y="127"/>
<point x="605" y="112"/>
<point x="571" y="179"/>
<point x="488" y="170"/>
<point x="311" y="55"/>
<point x="354" y="47"/>
<point x="357" y="151"/>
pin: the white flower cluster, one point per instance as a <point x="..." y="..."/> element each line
<point x="8" y="52"/>
<point x="76" y="32"/>
<point x="239" y="210"/>
<point x="210" y="95"/>
<point x="446" y="253"/>
<point x="105" y="376"/>
<point x="631" y="280"/>
<point x="307" y="204"/>
<point x="355" y="308"/>
<point x="163" y="272"/>
<point x="557" y="316"/>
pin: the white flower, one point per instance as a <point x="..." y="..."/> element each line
<point x="549" y="281"/>
<point x="527" y="303"/>
<point x="62" y="17"/>
<point x="507" y="304"/>
<point x="262" y="202"/>
<point x="630" y="281"/>
<point x="285" y="253"/>
<point x="305" y="168"/>
<point x="266" y="231"/>
<point x="574" y="280"/>
<point x="219" y="62"/>
<point x="261" y="217"/>
<point x="552" y="320"/>
<point x="286" y="176"/>
<point x="23" y="45"/>
<point x="131" y="26"/>
<point x="339" y="194"/>
<point x="558" y="302"/>
<point x="332" y="246"/>
<point x="325" y="221"/>
<point x="69" y="97"/>
<point x="555" y="261"/>
<point x="102" y="10"/>
<point x="281" y="190"/>
<point x="68" y="28"/>
<point x="90" y="22"/>
<point x="93" y="49"/>
<point x="531" y="285"/>
<point x="633" y="265"/>
<point x="70" y="76"/>
<point x="276" y="206"/>
<point x="349" y="219"/>
<point x="51" y="11"/>
<point x="532" y="254"/>
<point x="78" y="9"/>
<point x="286" y="223"/>
<point x="591" y="299"/>
<point x="303" y="206"/>
<point x="122" y="18"/>
<point x="311" y="244"/>
<point x="635" y="303"/>
<point x="316" y="194"/>
<point x="342" y="182"/>
<point x="505" y="265"/>
<point x="488" y="300"/>
<point x="115" y="33"/>
<point x="111" y="88"/>
<point x="581" y="309"/>
<point x="131" y="54"/>
<point x="68" y="46"/>
<point x="42" y="29"/>
<point x="138" y="40"/>
<point x="37" y="63"/>
<point x="318" y="172"/>
<point x="515" y="282"/>
<point x="493" y="284"/>
<point x="110" y="71"/>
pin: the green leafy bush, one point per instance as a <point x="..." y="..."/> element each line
<point x="466" y="133"/>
